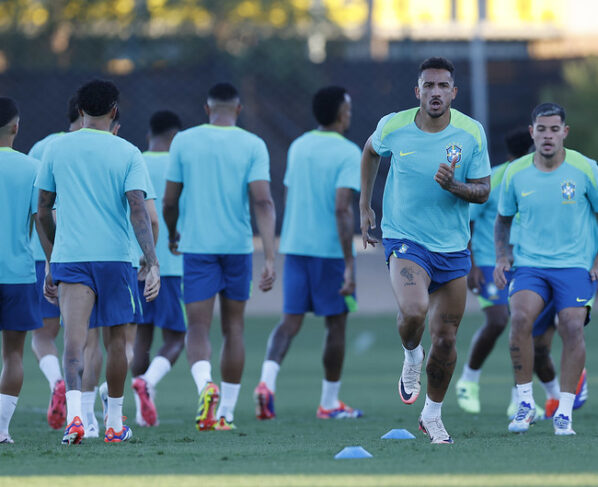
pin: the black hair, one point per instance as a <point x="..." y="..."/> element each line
<point x="8" y="110"/>
<point x="72" y="108"/>
<point x="223" y="92"/>
<point x="548" y="110"/>
<point x="518" y="142"/>
<point x="326" y="103"/>
<point x="164" y="121"/>
<point x="437" y="63"/>
<point x="97" y="97"/>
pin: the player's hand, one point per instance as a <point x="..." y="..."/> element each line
<point x="268" y="276"/>
<point x="50" y="289"/>
<point x="152" y="283"/>
<point x="143" y="269"/>
<point x="475" y="279"/>
<point x="500" y="279"/>
<point x="173" y="244"/>
<point x="445" y="176"/>
<point x="368" y="220"/>
<point x="348" y="281"/>
<point x="594" y="271"/>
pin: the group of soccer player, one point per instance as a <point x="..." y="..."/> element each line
<point x="112" y="224"/>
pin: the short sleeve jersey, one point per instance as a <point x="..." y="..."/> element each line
<point x="556" y="211"/>
<point x="484" y="216"/>
<point x="90" y="171"/>
<point x="157" y="165"/>
<point x="215" y="165"/>
<point x="18" y="200"/>
<point x="318" y="164"/>
<point x="414" y="206"/>
<point x="37" y="152"/>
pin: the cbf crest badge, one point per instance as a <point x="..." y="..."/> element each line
<point x="568" y="190"/>
<point x="453" y="154"/>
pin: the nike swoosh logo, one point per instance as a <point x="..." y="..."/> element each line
<point x="403" y="154"/>
<point x="580" y="300"/>
<point x="404" y="393"/>
<point x="524" y="194"/>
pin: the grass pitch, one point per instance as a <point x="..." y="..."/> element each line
<point x="296" y="449"/>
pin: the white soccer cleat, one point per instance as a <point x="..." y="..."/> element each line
<point x="409" y="382"/>
<point x="562" y="425"/>
<point x="434" y="428"/>
<point x="524" y="418"/>
<point x="5" y="438"/>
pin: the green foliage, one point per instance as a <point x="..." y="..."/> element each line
<point x="578" y="96"/>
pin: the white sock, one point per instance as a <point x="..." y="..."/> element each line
<point x="329" y="398"/>
<point x="115" y="414"/>
<point x="229" y="393"/>
<point x="414" y="356"/>
<point x="566" y="401"/>
<point x="552" y="388"/>
<point x="431" y="409"/>
<point x="88" y="399"/>
<point x="158" y="368"/>
<point x="73" y="405"/>
<point x="8" y="405"/>
<point x="50" y="367"/>
<point x="269" y="373"/>
<point x="525" y="393"/>
<point x="471" y="375"/>
<point x="202" y="373"/>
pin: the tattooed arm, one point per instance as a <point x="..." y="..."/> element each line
<point x="473" y="191"/>
<point x="504" y="250"/>
<point x="143" y="231"/>
<point x="44" y="221"/>
<point x="344" y="225"/>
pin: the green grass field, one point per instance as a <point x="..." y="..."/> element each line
<point x="296" y="448"/>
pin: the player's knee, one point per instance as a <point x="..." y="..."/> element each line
<point x="521" y="323"/>
<point x="412" y="314"/>
<point x="444" y="343"/>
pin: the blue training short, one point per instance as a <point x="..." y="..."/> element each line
<point x="19" y="307"/>
<point x="205" y="275"/>
<point x="489" y="294"/>
<point x="167" y="311"/>
<point x="313" y="284"/>
<point x="442" y="267"/>
<point x="48" y="309"/>
<point x="110" y="283"/>
<point x="137" y="296"/>
<point x="566" y="288"/>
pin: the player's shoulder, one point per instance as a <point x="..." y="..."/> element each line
<point x="38" y="148"/>
<point x="22" y="162"/>
<point x="516" y="168"/>
<point x="467" y="124"/>
<point x="395" y="121"/>
<point x="580" y="161"/>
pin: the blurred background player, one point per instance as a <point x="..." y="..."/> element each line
<point x="19" y="304"/>
<point x="166" y="311"/>
<point x="317" y="237"/>
<point x="552" y="189"/>
<point x="43" y="339"/>
<point x="425" y="226"/>
<point x="93" y="174"/>
<point x="213" y="169"/>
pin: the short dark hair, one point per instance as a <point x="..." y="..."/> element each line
<point x="548" y="110"/>
<point x="72" y="109"/>
<point x="223" y="92"/>
<point x="518" y="142"/>
<point x="437" y="63"/>
<point x="97" y="97"/>
<point x="164" y="121"/>
<point x="8" y="110"/>
<point x="326" y="103"/>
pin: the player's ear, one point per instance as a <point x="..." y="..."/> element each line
<point x="15" y="128"/>
<point x="207" y="109"/>
<point x="455" y="90"/>
<point x="531" y="131"/>
<point x="566" y="131"/>
<point x="238" y="109"/>
<point x="417" y="93"/>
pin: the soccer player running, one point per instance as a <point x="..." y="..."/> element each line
<point x="321" y="176"/>
<point x="166" y="311"/>
<point x="439" y="165"/>
<point x="19" y="305"/>
<point x="93" y="174"/>
<point x="43" y="339"/>
<point x="555" y="192"/>
<point x="213" y="169"/>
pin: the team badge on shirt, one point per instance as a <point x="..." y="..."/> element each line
<point x="568" y="190"/>
<point x="453" y="154"/>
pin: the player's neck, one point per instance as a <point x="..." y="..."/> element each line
<point x="158" y="145"/>
<point x="548" y="164"/>
<point x="333" y="127"/>
<point x="426" y="123"/>
<point x="223" y="120"/>
<point x="7" y="141"/>
<point x="97" y="124"/>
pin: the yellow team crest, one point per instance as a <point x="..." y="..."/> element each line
<point x="453" y="154"/>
